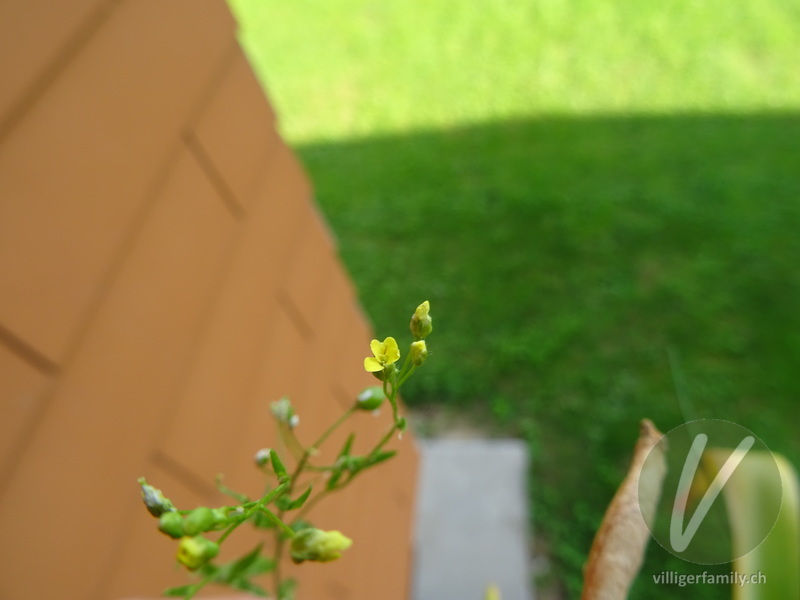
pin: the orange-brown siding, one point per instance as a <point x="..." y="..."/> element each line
<point x="164" y="276"/>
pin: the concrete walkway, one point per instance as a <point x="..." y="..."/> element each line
<point x="472" y="520"/>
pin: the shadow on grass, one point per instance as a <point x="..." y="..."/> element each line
<point x="566" y="261"/>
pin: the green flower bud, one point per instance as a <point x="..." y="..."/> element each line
<point x="317" y="545"/>
<point x="220" y="518"/>
<point x="387" y="373"/>
<point x="194" y="552"/>
<point x="171" y="523"/>
<point x="154" y="499"/>
<point x="371" y="398"/>
<point x="199" y="520"/>
<point x="421" y="322"/>
<point x="419" y="352"/>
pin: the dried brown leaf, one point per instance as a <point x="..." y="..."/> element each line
<point x="618" y="547"/>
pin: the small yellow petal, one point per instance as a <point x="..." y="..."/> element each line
<point x="376" y="347"/>
<point x="391" y="351"/>
<point x="372" y="364"/>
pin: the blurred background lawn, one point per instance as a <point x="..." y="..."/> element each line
<point x="601" y="200"/>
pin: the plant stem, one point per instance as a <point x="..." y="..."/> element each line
<point x="255" y="506"/>
<point x="279" y="542"/>
<point x="331" y="429"/>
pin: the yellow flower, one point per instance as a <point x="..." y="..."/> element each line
<point x="385" y="352"/>
<point x="315" y="544"/>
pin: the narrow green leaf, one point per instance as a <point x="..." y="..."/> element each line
<point x="277" y="466"/>
<point x="297" y="503"/>
<point x="286" y="589"/>
<point x="209" y="570"/>
<point x="380" y="457"/>
<point x="261" y="565"/>
<point x="241" y="565"/>
<point x="347" y="445"/>
<point x="185" y="591"/>
<point x="229" y="492"/>
<point x="334" y="479"/>
<point x="248" y="586"/>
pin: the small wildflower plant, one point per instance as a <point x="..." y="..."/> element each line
<point x="282" y="510"/>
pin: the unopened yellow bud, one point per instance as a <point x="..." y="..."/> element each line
<point x="419" y="352"/>
<point x="317" y="545"/>
<point x="421" y="322"/>
<point x="194" y="552"/>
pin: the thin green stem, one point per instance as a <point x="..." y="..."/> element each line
<point x="290" y="441"/>
<point x="279" y="542"/>
<point x="346" y="415"/>
<point x="385" y="439"/>
<point x="258" y="504"/>
<point x="280" y="524"/>
<point x="405" y="377"/>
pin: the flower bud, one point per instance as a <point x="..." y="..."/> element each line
<point x="171" y="523"/>
<point x="315" y="544"/>
<point x="421" y="322"/>
<point x="371" y="398"/>
<point x="387" y="374"/>
<point x="199" y="520"/>
<point x="220" y="518"/>
<point x="262" y="457"/>
<point x="194" y="552"/>
<point x="154" y="499"/>
<point x="282" y="410"/>
<point x="419" y="352"/>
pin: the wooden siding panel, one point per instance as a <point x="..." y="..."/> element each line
<point x="236" y="131"/>
<point x="21" y="391"/>
<point x="49" y="35"/>
<point x="75" y="171"/>
<point x="311" y="266"/>
<point x="218" y="397"/>
<point x="165" y="277"/>
<point x="91" y="444"/>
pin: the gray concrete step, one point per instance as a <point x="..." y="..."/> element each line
<point x="472" y="520"/>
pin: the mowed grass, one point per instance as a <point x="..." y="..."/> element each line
<point x="601" y="200"/>
<point x="356" y="68"/>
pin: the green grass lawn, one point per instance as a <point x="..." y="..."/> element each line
<point x="601" y="200"/>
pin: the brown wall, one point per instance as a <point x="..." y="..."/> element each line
<point x="164" y="276"/>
